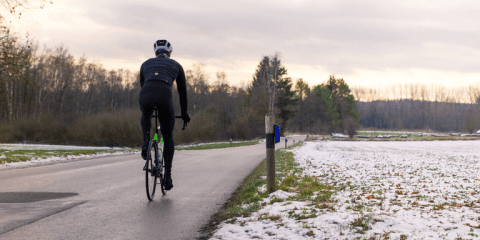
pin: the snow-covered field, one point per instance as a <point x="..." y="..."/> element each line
<point x="385" y="190"/>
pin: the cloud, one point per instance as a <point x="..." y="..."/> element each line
<point x="340" y="37"/>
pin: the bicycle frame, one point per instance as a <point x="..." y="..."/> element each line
<point x="155" y="137"/>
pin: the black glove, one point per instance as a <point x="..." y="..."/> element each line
<point x="186" y="117"/>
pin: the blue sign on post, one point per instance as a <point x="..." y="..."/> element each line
<point x="277" y="133"/>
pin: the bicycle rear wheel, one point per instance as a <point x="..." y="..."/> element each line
<point x="161" y="170"/>
<point x="151" y="170"/>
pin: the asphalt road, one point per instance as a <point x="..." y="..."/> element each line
<point x="104" y="198"/>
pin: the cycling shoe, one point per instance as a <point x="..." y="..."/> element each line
<point x="168" y="184"/>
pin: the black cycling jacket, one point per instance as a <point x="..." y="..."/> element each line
<point x="166" y="70"/>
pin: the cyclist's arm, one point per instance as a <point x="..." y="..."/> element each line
<point x="142" y="79"/>
<point x="182" y="89"/>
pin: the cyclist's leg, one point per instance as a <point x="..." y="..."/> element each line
<point x="167" y="123"/>
<point x="145" y="121"/>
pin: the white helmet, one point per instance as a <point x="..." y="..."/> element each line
<point x="162" y="46"/>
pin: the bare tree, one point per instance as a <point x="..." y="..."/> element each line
<point x="274" y="67"/>
<point x="198" y="86"/>
<point x="16" y="7"/>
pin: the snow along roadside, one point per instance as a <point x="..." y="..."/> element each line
<point x="414" y="190"/>
<point x="58" y="159"/>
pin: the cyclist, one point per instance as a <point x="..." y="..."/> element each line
<point x="156" y="79"/>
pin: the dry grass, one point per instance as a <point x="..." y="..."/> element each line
<point x="121" y="128"/>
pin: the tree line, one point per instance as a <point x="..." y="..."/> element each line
<point x="325" y="108"/>
<point x="50" y="85"/>
<point x="420" y="115"/>
<point x="239" y="112"/>
<point x="53" y="83"/>
<point x="419" y="106"/>
<point x="40" y="87"/>
<point x="420" y="92"/>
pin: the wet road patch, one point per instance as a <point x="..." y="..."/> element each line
<point x="27" y="197"/>
<point x="16" y="215"/>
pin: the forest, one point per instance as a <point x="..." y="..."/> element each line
<point x="419" y="106"/>
<point x="420" y="115"/>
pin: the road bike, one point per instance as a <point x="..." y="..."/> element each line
<point x="154" y="165"/>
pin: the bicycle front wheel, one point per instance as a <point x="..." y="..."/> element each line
<point x="151" y="170"/>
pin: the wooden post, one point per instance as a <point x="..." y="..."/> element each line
<point x="270" y="139"/>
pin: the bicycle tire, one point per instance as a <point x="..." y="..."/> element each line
<point x="161" y="170"/>
<point x="151" y="173"/>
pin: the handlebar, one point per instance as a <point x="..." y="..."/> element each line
<point x="184" y="123"/>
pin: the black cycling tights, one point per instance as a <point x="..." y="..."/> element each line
<point x="161" y="97"/>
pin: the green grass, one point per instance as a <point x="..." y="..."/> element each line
<point x="430" y="138"/>
<point x="247" y="192"/>
<point x="362" y="224"/>
<point x="383" y="133"/>
<point x="26" y="155"/>
<point x="288" y="178"/>
<point x="218" y="145"/>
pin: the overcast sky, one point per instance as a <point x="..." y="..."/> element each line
<point x="366" y="42"/>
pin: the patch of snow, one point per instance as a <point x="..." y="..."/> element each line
<point x="338" y="135"/>
<point x="439" y="135"/>
<point x="262" y="189"/>
<point x="281" y="194"/>
<point x="423" y="190"/>
<point x="54" y="159"/>
<point x="371" y="131"/>
<point x="50" y="147"/>
<point x="210" y="143"/>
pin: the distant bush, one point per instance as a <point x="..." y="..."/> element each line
<point x="202" y="128"/>
<point x="121" y="128"/>
<point x="351" y="126"/>
<point x="109" y="129"/>
<point x="40" y="130"/>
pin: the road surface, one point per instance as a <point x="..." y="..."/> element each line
<point x="105" y="198"/>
